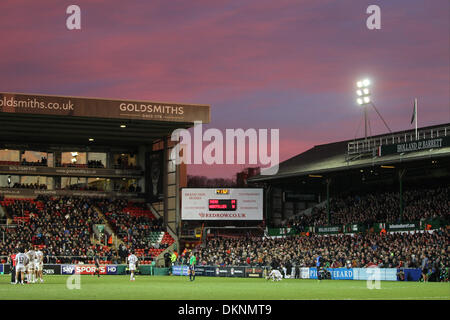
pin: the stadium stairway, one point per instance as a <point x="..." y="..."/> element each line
<point x="308" y="211"/>
<point x="155" y="211"/>
<point x="2" y="213"/>
<point x="168" y="236"/>
<point x="117" y="241"/>
<point x="26" y="214"/>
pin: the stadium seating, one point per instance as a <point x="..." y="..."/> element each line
<point x="390" y="250"/>
<point x="138" y="227"/>
<point x="380" y="207"/>
<point x="59" y="226"/>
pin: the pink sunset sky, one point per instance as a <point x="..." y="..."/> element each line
<point x="290" y="65"/>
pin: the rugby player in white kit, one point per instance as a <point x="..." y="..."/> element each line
<point x="39" y="264"/>
<point x="31" y="255"/>
<point x="132" y="262"/>
<point x="21" y="264"/>
<point x="275" y="275"/>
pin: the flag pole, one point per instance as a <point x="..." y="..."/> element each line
<point x="415" y="110"/>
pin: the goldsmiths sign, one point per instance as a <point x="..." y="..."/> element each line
<point x="102" y="108"/>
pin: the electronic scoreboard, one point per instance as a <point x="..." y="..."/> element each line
<point x="222" y="204"/>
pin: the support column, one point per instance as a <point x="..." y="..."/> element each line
<point x="401" y="174"/>
<point x="328" y="182"/>
<point x="165" y="181"/>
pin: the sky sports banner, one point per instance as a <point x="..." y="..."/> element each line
<point x="414" y="146"/>
<point x="222" y="204"/>
<point x="102" y="108"/>
<point x="87" y="269"/>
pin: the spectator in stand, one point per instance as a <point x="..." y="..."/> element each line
<point x="363" y="250"/>
<point x="63" y="225"/>
<point x="420" y="204"/>
<point x="30" y="186"/>
<point x="39" y="163"/>
<point x="95" y="164"/>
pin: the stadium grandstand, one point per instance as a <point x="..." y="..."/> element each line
<point x="81" y="177"/>
<point x="381" y="201"/>
<point x="392" y="178"/>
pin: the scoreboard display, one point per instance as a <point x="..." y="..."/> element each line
<point x="222" y="204"/>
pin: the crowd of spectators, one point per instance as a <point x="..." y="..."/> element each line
<point x="420" y="204"/>
<point x="134" y="188"/>
<point x="392" y="250"/>
<point x="82" y="187"/>
<point x="36" y="186"/>
<point x="122" y="163"/>
<point x="134" y="230"/>
<point x="95" y="164"/>
<point x="62" y="224"/>
<point x="39" y="163"/>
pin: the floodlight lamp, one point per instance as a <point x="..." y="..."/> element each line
<point x="359" y="84"/>
<point x="359" y="92"/>
<point x="366" y="82"/>
<point x="366" y="99"/>
<point x="360" y="101"/>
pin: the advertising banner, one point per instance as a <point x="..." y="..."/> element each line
<point x="210" y="271"/>
<point x="304" y="273"/>
<point x="1" y="268"/>
<point x="312" y="273"/>
<point x="331" y="229"/>
<point x="74" y="172"/>
<point x="402" y="226"/>
<point x="238" y="272"/>
<point x="6" y="268"/>
<point x="414" y="146"/>
<point x="102" y="108"/>
<point x="222" y="272"/>
<point x="292" y="196"/>
<point x="277" y="232"/>
<point x="51" y="269"/>
<point x="78" y="193"/>
<point x="199" y="271"/>
<point x="87" y="269"/>
<point x="222" y="204"/>
<point x="112" y="269"/>
<point x="341" y="273"/>
<point x="382" y="274"/>
<point x="256" y="272"/>
<point x="336" y="273"/>
<point x="180" y="270"/>
<point x="412" y="274"/>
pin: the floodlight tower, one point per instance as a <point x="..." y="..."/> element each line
<point x="363" y="99"/>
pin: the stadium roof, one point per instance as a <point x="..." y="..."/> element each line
<point x="333" y="157"/>
<point x="60" y="120"/>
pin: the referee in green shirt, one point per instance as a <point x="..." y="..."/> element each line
<point x="192" y="262"/>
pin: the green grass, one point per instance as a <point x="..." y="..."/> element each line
<point x="210" y="288"/>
